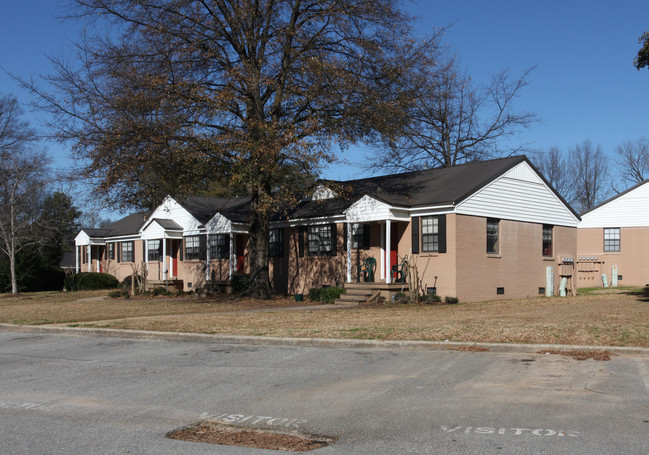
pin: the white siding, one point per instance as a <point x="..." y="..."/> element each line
<point x="81" y="239"/>
<point x="219" y="225"/>
<point x="629" y="210"/>
<point x="368" y="209"/>
<point x="172" y="210"/>
<point x="519" y="195"/>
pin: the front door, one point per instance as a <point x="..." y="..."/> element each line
<point x="241" y="250"/>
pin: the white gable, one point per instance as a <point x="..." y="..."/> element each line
<point x="153" y="230"/>
<point x="322" y="192"/>
<point x="368" y="209"/>
<point x="219" y="225"/>
<point x="628" y="210"/>
<point x="81" y="239"/>
<point x="172" y="210"/>
<point x="521" y="195"/>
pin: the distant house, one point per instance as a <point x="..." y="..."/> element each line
<point x="613" y="240"/>
<point x="477" y="231"/>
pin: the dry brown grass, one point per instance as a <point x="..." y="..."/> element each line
<point x="615" y="319"/>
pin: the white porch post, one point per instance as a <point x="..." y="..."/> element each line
<point x="382" y="259"/>
<point x="232" y="256"/>
<point x="76" y="257"/>
<point x="89" y="254"/>
<point x="349" y="252"/>
<point x="164" y="258"/>
<point x="98" y="260"/>
<point x="388" y="266"/>
<point x="207" y="257"/>
<point x="146" y="257"/>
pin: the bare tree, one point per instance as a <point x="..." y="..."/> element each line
<point x="23" y="172"/>
<point x="555" y="166"/>
<point x="633" y="161"/>
<point x="178" y="94"/>
<point x="453" y="122"/>
<point x="591" y="175"/>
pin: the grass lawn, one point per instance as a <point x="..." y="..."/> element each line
<point x="617" y="317"/>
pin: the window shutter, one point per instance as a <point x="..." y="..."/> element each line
<point x="442" y="233"/>
<point x="344" y="236"/>
<point x="118" y="247"/>
<point x="414" y="224"/>
<point x="334" y="239"/>
<point x="144" y="251"/>
<point x="300" y="240"/>
<point x="181" y="248"/>
<point x="203" y="247"/>
<point x="366" y="236"/>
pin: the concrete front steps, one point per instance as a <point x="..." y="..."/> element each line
<point x="364" y="292"/>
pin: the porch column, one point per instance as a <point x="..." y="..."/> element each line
<point x="383" y="249"/>
<point x="76" y="258"/>
<point x="207" y="257"/>
<point x="388" y="249"/>
<point x="89" y="254"/>
<point x="98" y="260"/>
<point x="349" y="252"/>
<point x="164" y="258"/>
<point x="232" y="257"/>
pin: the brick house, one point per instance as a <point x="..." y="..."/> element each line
<point x="613" y="240"/>
<point x="478" y="231"/>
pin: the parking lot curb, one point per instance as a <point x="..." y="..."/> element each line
<point x="316" y="342"/>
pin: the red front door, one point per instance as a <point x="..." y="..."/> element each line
<point x="241" y="250"/>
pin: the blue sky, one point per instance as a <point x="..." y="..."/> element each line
<point x="584" y="86"/>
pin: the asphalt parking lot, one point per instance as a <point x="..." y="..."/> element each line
<point x="66" y="394"/>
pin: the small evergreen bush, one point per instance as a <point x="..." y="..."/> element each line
<point x="119" y="294"/>
<point x="401" y="297"/>
<point x="88" y="281"/>
<point x="325" y="295"/>
<point x="451" y="300"/>
<point x="240" y="282"/>
<point x="430" y="298"/>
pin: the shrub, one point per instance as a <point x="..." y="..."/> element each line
<point x="120" y="293"/>
<point x="160" y="291"/>
<point x="401" y="297"/>
<point x="240" y="282"/>
<point x="87" y="281"/>
<point x="430" y="298"/>
<point x="451" y="300"/>
<point x="126" y="282"/>
<point x="325" y="295"/>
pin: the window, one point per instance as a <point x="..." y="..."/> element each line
<point x="547" y="240"/>
<point x="154" y="250"/>
<point x="276" y="245"/>
<point x="127" y="252"/>
<point x="320" y="239"/>
<point x="111" y="251"/>
<point x="611" y="240"/>
<point x="219" y="246"/>
<point x="430" y="233"/>
<point x="360" y="236"/>
<point x="492" y="236"/>
<point x="193" y="247"/>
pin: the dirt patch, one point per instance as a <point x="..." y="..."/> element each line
<point x="470" y="349"/>
<point x="581" y="355"/>
<point x="218" y="433"/>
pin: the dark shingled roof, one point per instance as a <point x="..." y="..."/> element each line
<point x="204" y="208"/>
<point x="129" y="225"/>
<point x="413" y="189"/>
<point x="168" y="224"/>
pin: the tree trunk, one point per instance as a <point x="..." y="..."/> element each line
<point x="259" y="243"/>
<point x="12" y="267"/>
